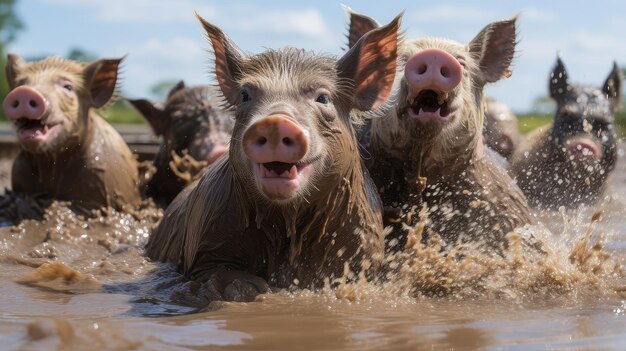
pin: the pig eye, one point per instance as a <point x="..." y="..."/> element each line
<point x="245" y="96"/>
<point x="323" y="99"/>
<point x="68" y="87"/>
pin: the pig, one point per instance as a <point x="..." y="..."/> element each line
<point x="424" y="146"/>
<point x="567" y="163"/>
<point x="67" y="151"/>
<point x="191" y="121"/>
<point x="500" y="131"/>
<point x="291" y="203"/>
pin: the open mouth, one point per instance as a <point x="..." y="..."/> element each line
<point x="582" y="149"/>
<point x="430" y="105"/>
<point x="281" y="180"/>
<point x="35" y="130"/>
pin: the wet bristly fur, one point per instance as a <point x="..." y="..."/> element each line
<point x="88" y="164"/>
<point x="468" y="196"/>
<point x="191" y="122"/>
<point x="224" y="225"/>
<point x="541" y="165"/>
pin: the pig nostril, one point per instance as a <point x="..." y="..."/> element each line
<point x="32" y="103"/>
<point x="287" y="141"/>
<point x="445" y="72"/>
<point x="261" y="141"/>
<point x="15" y="104"/>
<point x="422" y="68"/>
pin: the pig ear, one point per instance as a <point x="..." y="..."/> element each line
<point x="613" y="86"/>
<point x="176" y="88"/>
<point x="371" y="65"/>
<point x="153" y="113"/>
<point x="559" y="82"/>
<point x="101" y="80"/>
<point x="359" y="25"/>
<point x="494" y="48"/>
<point x="228" y="59"/>
<point x="12" y="69"/>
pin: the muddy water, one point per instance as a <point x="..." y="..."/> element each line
<point x="81" y="283"/>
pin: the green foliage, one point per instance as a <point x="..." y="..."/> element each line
<point x="542" y="105"/>
<point x="122" y="112"/>
<point x="10" y="24"/>
<point x="78" y="54"/>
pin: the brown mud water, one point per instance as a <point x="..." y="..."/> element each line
<point x="72" y="282"/>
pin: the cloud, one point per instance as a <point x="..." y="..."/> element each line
<point x="156" y="59"/>
<point x="138" y="11"/>
<point x="306" y="22"/>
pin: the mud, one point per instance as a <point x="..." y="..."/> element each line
<point x="71" y="282"/>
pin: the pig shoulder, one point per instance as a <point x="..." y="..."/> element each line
<point x="113" y="163"/>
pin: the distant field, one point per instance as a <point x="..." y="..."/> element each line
<point x="121" y="112"/>
<point x="529" y="122"/>
<point x="526" y="123"/>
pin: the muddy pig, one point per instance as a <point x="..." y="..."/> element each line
<point x="291" y="203"/>
<point x="500" y="133"/>
<point x="190" y="121"/>
<point x="568" y="162"/>
<point x="427" y="150"/>
<point x="68" y="152"/>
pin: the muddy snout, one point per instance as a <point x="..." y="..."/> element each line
<point x="275" y="138"/>
<point x="433" y="69"/>
<point x="24" y="102"/>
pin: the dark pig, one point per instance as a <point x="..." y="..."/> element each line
<point x="291" y="203"/>
<point x="500" y="133"/>
<point x="68" y="152"/>
<point x="567" y="163"/>
<point x="427" y="149"/>
<point x="191" y="121"/>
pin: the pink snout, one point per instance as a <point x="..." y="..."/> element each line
<point x="217" y="151"/>
<point x="275" y="138"/>
<point x="433" y="69"/>
<point x="24" y="102"/>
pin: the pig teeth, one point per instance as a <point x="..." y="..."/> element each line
<point x="442" y="98"/>
<point x="293" y="172"/>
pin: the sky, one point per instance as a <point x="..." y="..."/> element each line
<point x="163" y="40"/>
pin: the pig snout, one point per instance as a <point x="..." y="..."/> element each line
<point x="24" y="102"/>
<point x="217" y="152"/>
<point x="433" y="69"/>
<point x="275" y="138"/>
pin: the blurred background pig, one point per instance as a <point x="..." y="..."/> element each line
<point x="568" y="162"/>
<point x="68" y="152"/>
<point x="500" y="132"/>
<point x="191" y="122"/>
